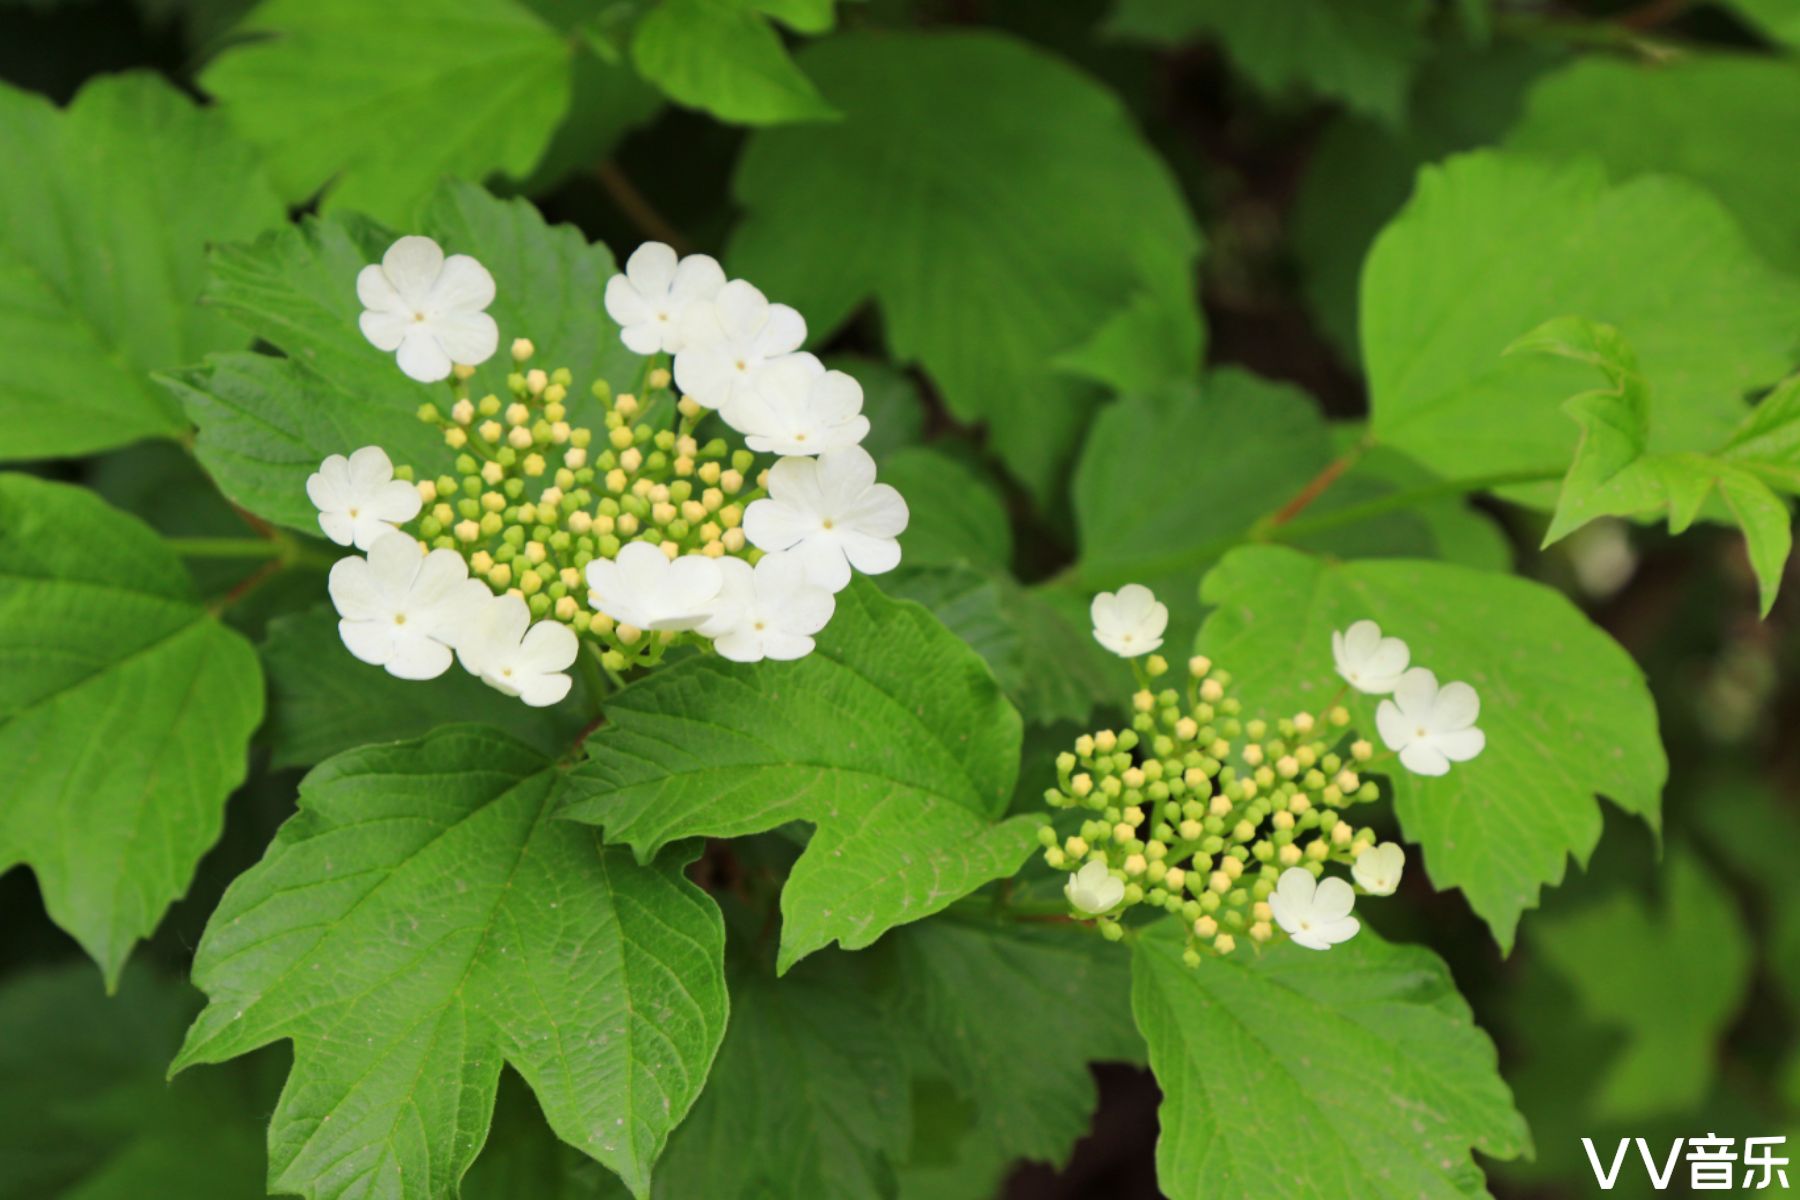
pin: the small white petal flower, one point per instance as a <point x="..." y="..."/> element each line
<point x="1094" y="890"/>
<point x="1314" y="912"/>
<point x="358" y="497"/>
<point x="513" y="656"/>
<point x="799" y="408"/>
<point x="830" y="512"/>
<point x="1377" y="870"/>
<point x="404" y="609"/>
<point x="643" y="587"/>
<point x="770" y="610"/>
<point x="1430" y="727"/>
<point x="1370" y="663"/>
<point x="429" y="308"/>
<point x="727" y="341"/>
<point x="1130" y="621"/>
<point x="650" y="299"/>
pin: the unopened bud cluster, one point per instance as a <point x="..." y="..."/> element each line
<point x="1198" y="811"/>
<point x="534" y="498"/>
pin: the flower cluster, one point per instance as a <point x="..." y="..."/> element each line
<point x="636" y="534"/>
<point x="1230" y="822"/>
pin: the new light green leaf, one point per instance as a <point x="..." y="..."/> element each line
<point x="1015" y="1014"/>
<point x="85" y="1113"/>
<point x="723" y="56"/>
<point x="1348" y="1074"/>
<point x="1565" y="709"/>
<point x="1616" y="956"/>
<point x="1362" y="53"/>
<point x="105" y="213"/>
<point x="891" y="739"/>
<point x="325" y="701"/>
<point x="423" y="920"/>
<point x="809" y="1096"/>
<point x="1493" y="245"/>
<point x="1726" y="122"/>
<point x="949" y="146"/>
<point x="1614" y="474"/>
<point x="126" y="711"/>
<point x="375" y="108"/>
<point x="265" y="423"/>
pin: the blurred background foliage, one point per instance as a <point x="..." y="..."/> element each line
<point x="1656" y="994"/>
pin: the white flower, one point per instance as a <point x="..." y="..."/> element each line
<point x="1370" y="663"/>
<point x="767" y="611"/>
<point x="429" y="308"/>
<point x="1129" y="622"/>
<point x="404" y="609"/>
<point x="644" y="588"/>
<point x="513" y="656"/>
<point x="1430" y="727"/>
<point x="358" y="497"/>
<point x="798" y="408"/>
<point x="1377" y="870"/>
<point x="1314" y="912"/>
<point x="650" y="298"/>
<point x="726" y="342"/>
<point x="1093" y="889"/>
<point x="831" y="513"/>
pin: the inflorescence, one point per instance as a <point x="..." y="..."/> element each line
<point x="1230" y="822"/>
<point x="635" y="534"/>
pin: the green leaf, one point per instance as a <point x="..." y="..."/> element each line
<point x="949" y="145"/>
<point x="724" y="57"/>
<point x="424" y="919"/>
<point x="105" y="213"/>
<point x="891" y="401"/>
<point x="1362" y="53"/>
<point x="1616" y="955"/>
<point x="957" y="515"/>
<point x="1775" y="18"/>
<point x="1240" y="444"/>
<point x="1353" y="1073"/>
<point x="1726" y="122"/>
<point x="84" y="1109"/>
<point x="1439" y="305"/>
<point x="891" y="739"/>
<point x="1565" y="709"/>
<point x="1614" y="474"/>
<point x="1015" y="1014"/>
<point x="374" y="112"/>
<point x="125" y="715"/>
<point x="809" y="1096"/>
<point x="325" y="701"/>
<point x="1360" y="170"/>
<point x="1049" y="669"/>
<point x="265" y="423"/>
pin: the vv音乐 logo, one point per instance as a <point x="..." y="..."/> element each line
<point x="1713" y="1163"/>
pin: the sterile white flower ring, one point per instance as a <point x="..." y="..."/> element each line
<point x="428" y="308"/>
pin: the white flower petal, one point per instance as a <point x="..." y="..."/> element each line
<point x="385" y="330"/>
<point x="463" y="286"/>
<point x="421" y="357"/>
<point x="651" y="269"/>
<point x="469" y="338"/>
<point x="1424" y="758"/>
<point x="1460" y="745"/>
<point x="412" y="265"/>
